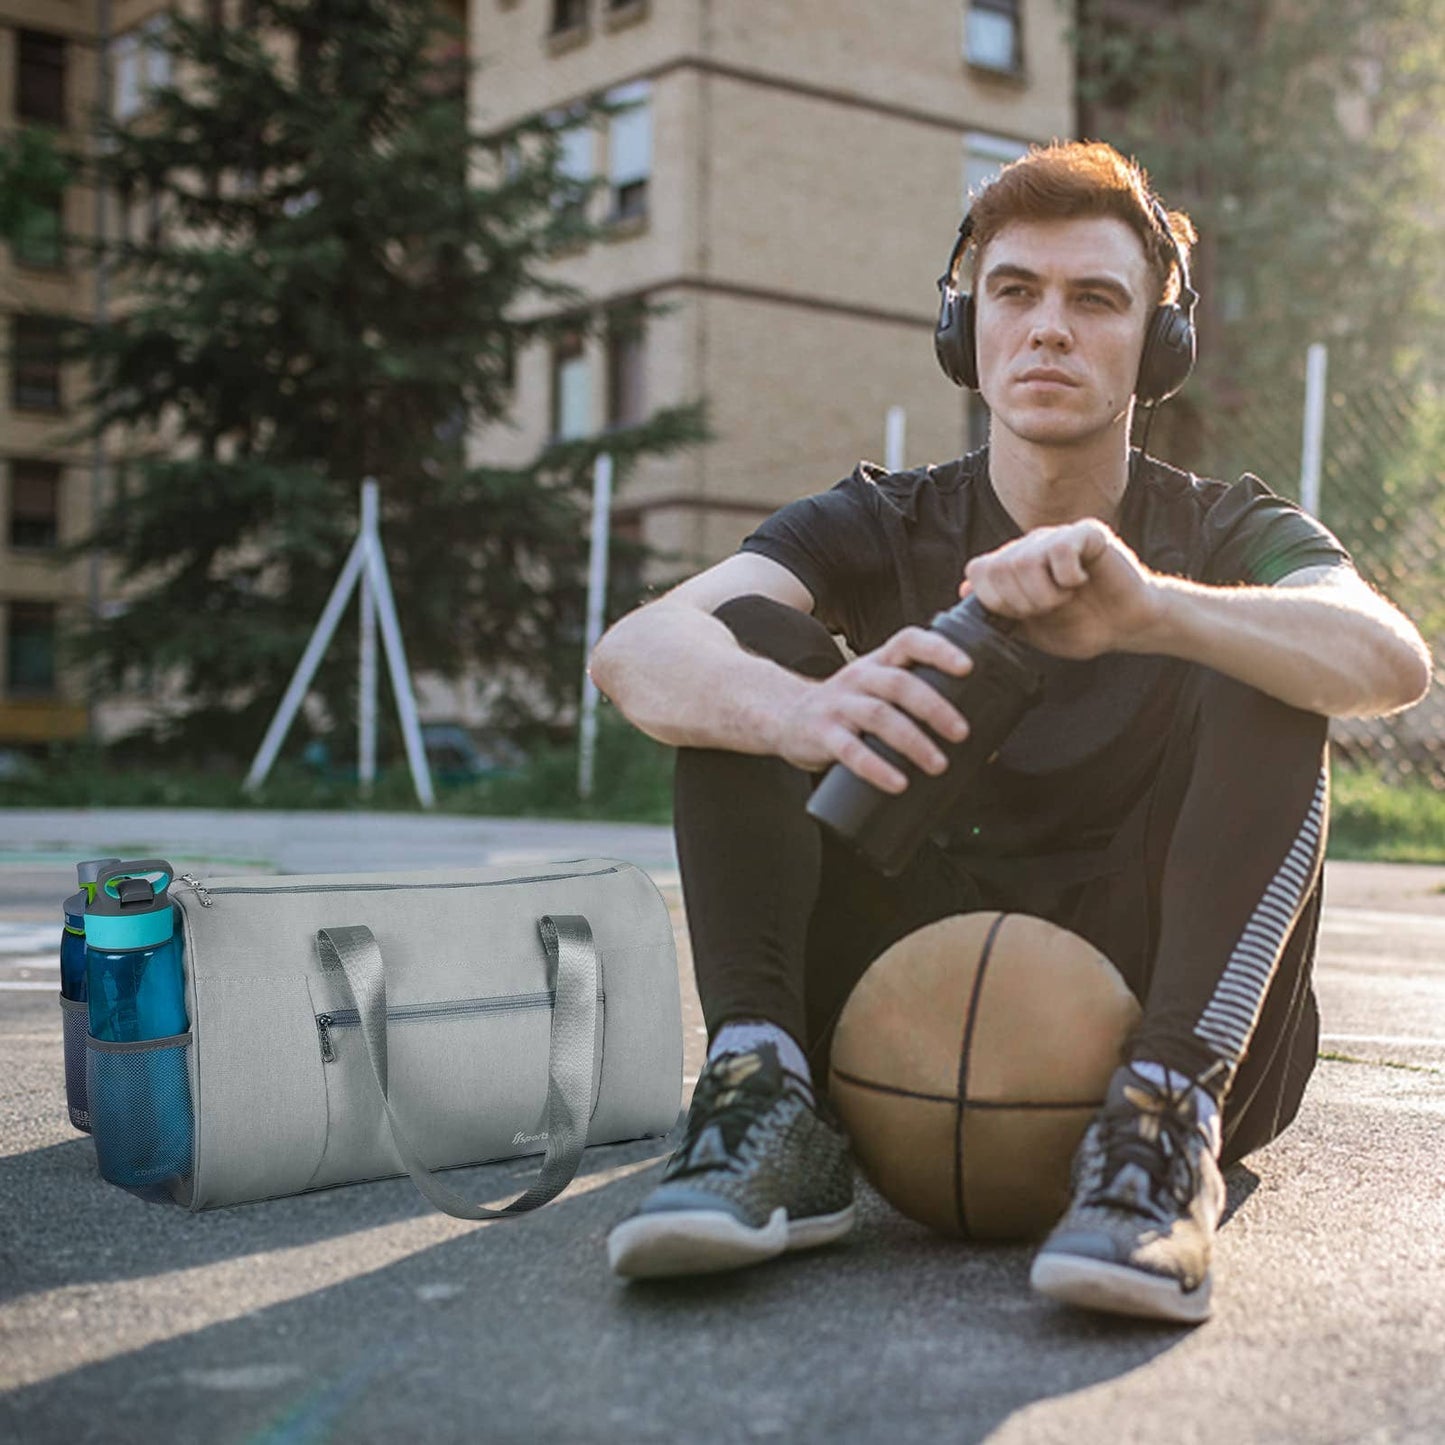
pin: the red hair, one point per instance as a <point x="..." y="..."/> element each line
<point x="1068" y="179"/>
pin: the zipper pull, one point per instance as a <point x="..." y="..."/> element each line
<point x="199" y="887"/>
<point x="323" y="1028"/>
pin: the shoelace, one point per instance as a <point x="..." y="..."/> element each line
<point x="1154" y="1136"/>
<point x="729" y="1105"/>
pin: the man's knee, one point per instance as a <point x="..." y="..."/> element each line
<point x="1253" y="717"/>
<point x="791" y="638"/>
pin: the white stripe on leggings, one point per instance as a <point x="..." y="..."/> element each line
<point x="1232" y="1013"/>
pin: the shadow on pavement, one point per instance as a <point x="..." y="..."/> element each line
<point x="516" y="1331"/>
<point x="105" y="1234"/>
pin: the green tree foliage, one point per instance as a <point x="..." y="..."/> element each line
<point x="326" y="276"/>
<point x="1304" y="137"/>
<point x="33" y="174"/>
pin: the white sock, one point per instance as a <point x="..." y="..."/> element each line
<point x="739" y="1035"/>
<point x="1204" y="1100"/>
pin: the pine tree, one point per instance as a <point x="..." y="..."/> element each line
<point x="325" y="280"/>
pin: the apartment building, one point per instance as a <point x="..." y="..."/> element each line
<point x="789" y="183"/>
<point x="50" y="75"/>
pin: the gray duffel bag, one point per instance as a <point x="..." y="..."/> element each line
<point x="348" y="1027"/>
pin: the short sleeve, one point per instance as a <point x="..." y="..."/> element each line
<point x="834" y="543"/>
<point x="1256" y="537"/>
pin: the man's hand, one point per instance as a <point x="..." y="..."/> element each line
<point x="1078" y="589"/>
<point x="876" y="693"/>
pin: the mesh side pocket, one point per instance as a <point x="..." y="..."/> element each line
<point x="75" y="1017"/>
<point x="140" y="1109"/>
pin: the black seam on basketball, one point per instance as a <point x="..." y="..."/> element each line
<point x="963" y="1058"/>
<point x="878" y="1087"/>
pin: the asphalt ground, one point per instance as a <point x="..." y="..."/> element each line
<point x="361" y="1314"/>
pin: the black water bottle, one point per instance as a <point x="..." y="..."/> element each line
<point x="888" y="828"/>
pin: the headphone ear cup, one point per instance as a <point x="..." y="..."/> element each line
<point x="967" y="345"/>
<point x="953" y="339"/>
<point x="1168" y="355"/>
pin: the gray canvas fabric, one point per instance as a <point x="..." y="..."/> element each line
<point x="286" y="1091"/>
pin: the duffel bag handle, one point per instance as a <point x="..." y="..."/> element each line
<point x="568" y="940"/>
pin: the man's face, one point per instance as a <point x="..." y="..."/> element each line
<point x="1061" y="308"/>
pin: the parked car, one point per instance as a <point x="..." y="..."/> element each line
<point x="17" y="766"/>
<point x="454" y="753"/>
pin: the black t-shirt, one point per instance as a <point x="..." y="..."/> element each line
<point x="881" y="550"/>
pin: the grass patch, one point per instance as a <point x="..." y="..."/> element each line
<point x="1373" y="819"/>
<point x="1379" y="1063"/>
<point x="632" y="782"/>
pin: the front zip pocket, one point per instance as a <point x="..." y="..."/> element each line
<point x="350" y="1018"/>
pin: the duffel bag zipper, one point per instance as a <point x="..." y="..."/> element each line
<point x="350" y="1018"/>
<point x="205" y="894"/>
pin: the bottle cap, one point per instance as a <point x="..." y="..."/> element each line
<point x="131" y="908"/>
<point x="74" y="908"/>
<point x="90" y="870"/>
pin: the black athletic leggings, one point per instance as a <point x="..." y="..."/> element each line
<point x="1211" y="919"/>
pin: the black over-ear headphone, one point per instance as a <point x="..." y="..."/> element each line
<point x="1169" y="346"/>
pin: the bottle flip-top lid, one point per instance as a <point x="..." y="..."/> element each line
<point x="131" y="907"/>
<point x="90" y="870"/>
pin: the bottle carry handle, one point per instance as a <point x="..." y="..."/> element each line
<point x="142" y="869"/>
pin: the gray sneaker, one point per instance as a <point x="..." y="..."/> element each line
<point x="1148" y="1196"/>
<point x="760" y="1171"/>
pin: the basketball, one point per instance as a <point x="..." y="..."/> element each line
<point x="968" y="1062"/>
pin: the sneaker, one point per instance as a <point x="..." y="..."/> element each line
<point x="761" y="1170"/>
<point x="1148" y="1195"/>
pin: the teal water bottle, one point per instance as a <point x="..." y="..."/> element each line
<point x="139" y="1094"/>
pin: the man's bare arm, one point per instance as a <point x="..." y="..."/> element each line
<point x="1320" y="639"/>
<point x="678" y="674"/>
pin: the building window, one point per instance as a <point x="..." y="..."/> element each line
<point x="625" y="355"/>
<point x="571" y="390"/>
<point x="568" y="15"/>
<point x="991" y="36"/>
<point x="40" y="78"/>
<point x="617" y="13"/>
<point x="35" y="364"/>
<point x="984" y="156"/>
<point x="30" y="649"/>
<point x="629" y="150"/>
<point x="34" y="504"/>
<point x="37" y="237"/>
<point x="574" y="169"/>
<point x="140" y="63"/>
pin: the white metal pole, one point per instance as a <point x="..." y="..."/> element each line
<point x="1316" y="359"/>
<point x="366" y="711"/>
<point x="895" y="429"/>
<point x="396" y="662"/>
<point x="306" y="668"/>
<point x="596" y="598"/>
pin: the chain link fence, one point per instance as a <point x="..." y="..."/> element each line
<point x="1382" y="492"/>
